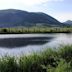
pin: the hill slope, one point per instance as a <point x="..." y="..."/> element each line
<point x="69" y="22"/>
<point x="13" y="17"/>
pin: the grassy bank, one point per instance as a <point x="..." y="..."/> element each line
<point x="25" y="30"/>
<point x="50" y="60"/>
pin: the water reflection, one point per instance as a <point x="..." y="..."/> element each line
<point x="26" y="45"/>
<point x="21" y="42"/>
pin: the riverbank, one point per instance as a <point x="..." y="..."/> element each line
<point x="34" y="30"/>
<point x="50" y="60"/>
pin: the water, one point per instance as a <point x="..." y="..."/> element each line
<point x="18" y="44"/>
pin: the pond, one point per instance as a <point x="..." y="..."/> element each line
<point x="18" y="44"/>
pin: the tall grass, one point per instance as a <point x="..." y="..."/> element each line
<point x="50" y="60"/>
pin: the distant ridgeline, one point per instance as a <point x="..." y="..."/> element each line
<point x="17" y="18"/>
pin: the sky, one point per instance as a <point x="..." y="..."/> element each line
<point x="59" y="9"/>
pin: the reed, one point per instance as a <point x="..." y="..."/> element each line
<point x="49" y="60"/>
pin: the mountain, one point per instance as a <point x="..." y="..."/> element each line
<point x="69" y="22"/>
<point x="14" y="17"/>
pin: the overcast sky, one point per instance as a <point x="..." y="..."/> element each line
<point x="59" y="9"/>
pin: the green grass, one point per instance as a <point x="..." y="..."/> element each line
<point x="36" y="30"/>
<point x="49" y="60"/>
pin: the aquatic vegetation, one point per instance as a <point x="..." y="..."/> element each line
<point x="49" y="60"/>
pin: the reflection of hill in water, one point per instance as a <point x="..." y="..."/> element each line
<point x="20" y="42"/>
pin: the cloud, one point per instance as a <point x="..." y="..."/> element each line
<point x="25" y="2"/>
<point x="32" y="2"/>
<point x="19" y="4"/>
